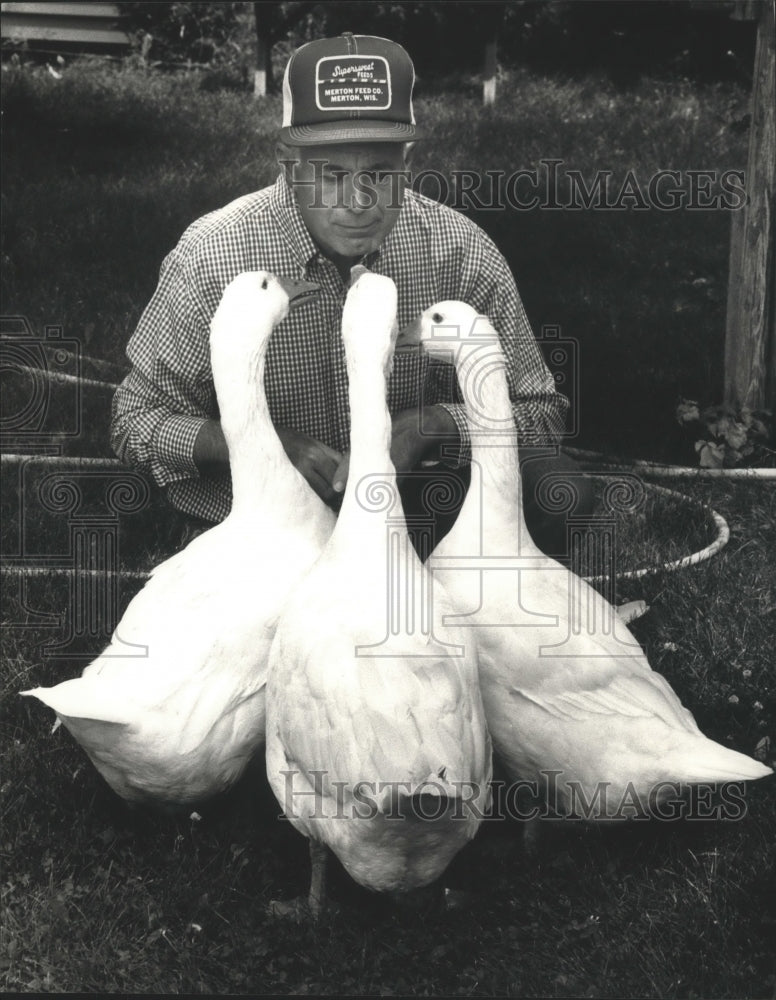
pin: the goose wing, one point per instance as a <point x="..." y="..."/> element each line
<point x="178" y="589"/>
<point x="379" y="719"/>
<point x="607" y="691"/>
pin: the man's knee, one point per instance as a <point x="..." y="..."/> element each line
<point x="432" y="499"/>
<point x="554" y="488"/>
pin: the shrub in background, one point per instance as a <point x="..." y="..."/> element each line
<point x="183" y="32"/>
<point x="221" y="36"/>
<point x="574" y="37"/>
<point x="726" y="436"/>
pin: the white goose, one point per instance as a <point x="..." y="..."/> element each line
<point x="566" y="687"/>
<point x="174" y="708"/>
<point x="373" y="706"/>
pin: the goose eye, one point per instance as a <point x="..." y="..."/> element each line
<point x="437" y="317"/>
<point x="265" y="284"/>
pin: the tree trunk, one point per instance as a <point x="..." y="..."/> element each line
<point x="489" y="75"/>
<point x="750" y="339"/>
<point x="262" y="77"/>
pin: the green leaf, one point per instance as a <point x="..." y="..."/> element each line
<point x="687" y="411"/>
<point x="736" y="435"/>
<point x="710" y="454"/>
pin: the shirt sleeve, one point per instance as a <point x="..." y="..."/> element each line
<point x="160" y="407"/>
<point x="539" y="409"/>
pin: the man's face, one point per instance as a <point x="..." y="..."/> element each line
<point x="349" y="196"/>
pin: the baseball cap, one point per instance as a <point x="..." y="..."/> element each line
<point x="353" y="88"/>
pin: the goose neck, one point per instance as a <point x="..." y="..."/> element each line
<point x="370" y="433"/>
<point x="483" y="381"/>
<point x="494" y="504"/>
<point x="256" y="454"/>
<point x="362" y="521"/>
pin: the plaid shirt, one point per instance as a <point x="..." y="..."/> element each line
<point x="432" y="253"/>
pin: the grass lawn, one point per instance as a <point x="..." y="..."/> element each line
<point x="102" y="172"/>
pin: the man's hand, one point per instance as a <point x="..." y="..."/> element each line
<point x="411" y="441"/>
<point x="317" y="462"/>
<point x="324" y="468"/>
<point x="419" y="435"/>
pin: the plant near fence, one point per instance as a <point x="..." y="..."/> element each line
<point x="217" y="35"/>
<point x="726" y="436"/>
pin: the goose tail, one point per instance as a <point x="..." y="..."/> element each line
<point x="706" y="762"/>
<point x="76" y="699"/>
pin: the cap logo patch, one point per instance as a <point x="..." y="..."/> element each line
<point x="352" y="83"/>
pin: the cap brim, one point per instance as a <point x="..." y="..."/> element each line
<point x="355" y="130"/>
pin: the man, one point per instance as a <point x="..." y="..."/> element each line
<point x="342" y="198"/>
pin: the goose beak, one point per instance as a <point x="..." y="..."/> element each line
<point x="409" y="340"/>
<point x="299" y="292"/>
<point x="355" y="273"/>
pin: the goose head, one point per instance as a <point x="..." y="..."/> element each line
<point x="443" y="329"/>
<point x="369" y="319"/>
<point x="252" y="305"/>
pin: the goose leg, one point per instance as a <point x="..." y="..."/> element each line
<point x="532" y="830"/>
<point x="304" y="908"/>
<point x="317" y="898"/>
